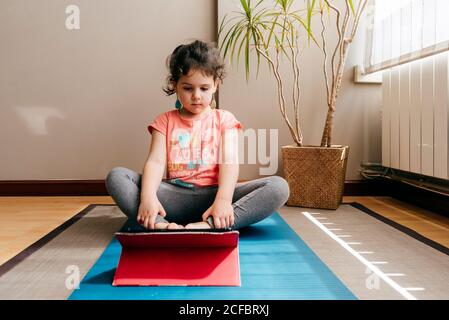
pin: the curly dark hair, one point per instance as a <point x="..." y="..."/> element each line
<point x="197" y="55"/>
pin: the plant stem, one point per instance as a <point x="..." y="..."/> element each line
<point x="337" y="73"/>
<point x="296" y="84"/>
<point x="281" y="98"/>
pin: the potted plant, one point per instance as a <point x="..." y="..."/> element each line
<point x="315" y="174"/>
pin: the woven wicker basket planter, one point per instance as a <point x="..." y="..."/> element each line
<point x="315" y="175"/>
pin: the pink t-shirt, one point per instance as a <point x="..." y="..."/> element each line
<point x="193" y="145"/>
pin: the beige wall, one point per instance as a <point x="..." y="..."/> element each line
<point x="74" y="104"/>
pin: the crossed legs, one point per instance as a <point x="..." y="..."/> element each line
<point x="252" y="201"/>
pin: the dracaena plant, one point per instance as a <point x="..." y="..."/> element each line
<point x="273" y="29"/>
<point x="346" y="23"/>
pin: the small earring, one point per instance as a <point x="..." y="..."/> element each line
<point x="213" y="103"/>
<point x="178" y="104"/>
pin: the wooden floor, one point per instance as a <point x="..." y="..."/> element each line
<point x="24" y="220"/>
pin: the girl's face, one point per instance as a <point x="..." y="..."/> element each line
<point x="195" y="91"/>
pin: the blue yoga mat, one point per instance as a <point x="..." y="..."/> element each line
<point x="274" y="262"/>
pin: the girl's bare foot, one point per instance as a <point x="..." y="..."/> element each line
<point x="161" y="225"/>
<point x="173" y="225"/>
<point x="198" y="225"/>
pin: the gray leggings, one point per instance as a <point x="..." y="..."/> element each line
<point x="252" y="201"/>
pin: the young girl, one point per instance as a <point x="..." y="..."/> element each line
<point x="196" y="144"/>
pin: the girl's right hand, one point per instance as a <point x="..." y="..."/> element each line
<point x="148" y="211"/>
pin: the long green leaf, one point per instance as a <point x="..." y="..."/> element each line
<point x="310" y="7"/>
<point x="238" y="35"/>
<point x="229" y="40"/>
<point x="272" y="30"/>
<point x="245" y="5"/>
<point x="257" y="44"/>
<point x="306" y="27"/>
<point x="247" y="56"/>
<point x="230" y="30"/>
<point x="351" y="4"/>
<point x="224" y="22"/>
<point x="241" y="45"/>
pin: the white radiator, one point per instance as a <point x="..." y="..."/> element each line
<point x="415" y="132"/>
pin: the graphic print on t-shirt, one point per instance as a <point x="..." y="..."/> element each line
<point x="193" y="147"/>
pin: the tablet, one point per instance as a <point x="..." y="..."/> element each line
<point x="178" y="257"/>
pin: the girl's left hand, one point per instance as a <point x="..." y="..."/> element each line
<point x="222" y="213"/>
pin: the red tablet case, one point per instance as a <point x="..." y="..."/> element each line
<point x="178" y="258"/>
